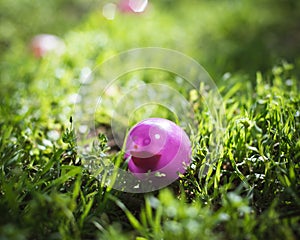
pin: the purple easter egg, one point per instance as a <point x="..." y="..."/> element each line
<point x="157" y="145"/>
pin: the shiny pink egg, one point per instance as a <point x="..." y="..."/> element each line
<point x="132" y="6"/>
<point x="158" y="146"/>
<point x="44" y="43"/>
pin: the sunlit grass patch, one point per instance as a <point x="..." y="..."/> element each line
<point x="247" y="189"/>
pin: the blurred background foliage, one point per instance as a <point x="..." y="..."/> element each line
<point x="22" y="19"/>
<point x="224" y="36"/>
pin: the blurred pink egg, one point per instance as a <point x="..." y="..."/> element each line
<point x="132" y="6"/>
<point x="159" y="146"/>
<point x="44" y="43"/>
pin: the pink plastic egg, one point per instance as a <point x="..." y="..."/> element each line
<point x="132" y="6"/>
<point x="44" y="43"/>
<point x="158" y="146"/>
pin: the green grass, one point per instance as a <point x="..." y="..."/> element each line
<point x="250" y="189"/>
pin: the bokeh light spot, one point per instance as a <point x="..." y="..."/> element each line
<point x="109" y="11"/>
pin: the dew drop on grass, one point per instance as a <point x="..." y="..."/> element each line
<point x="41" y="147"/>
<point x="85" y="75"/>
<point x="47" y="143"/>
<point x="28" y="131"/>
<point x="83" y="128"/>
<point x="53" y="135"/>
<point x="74" y="98"/>
<point x="193" y="166"/>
